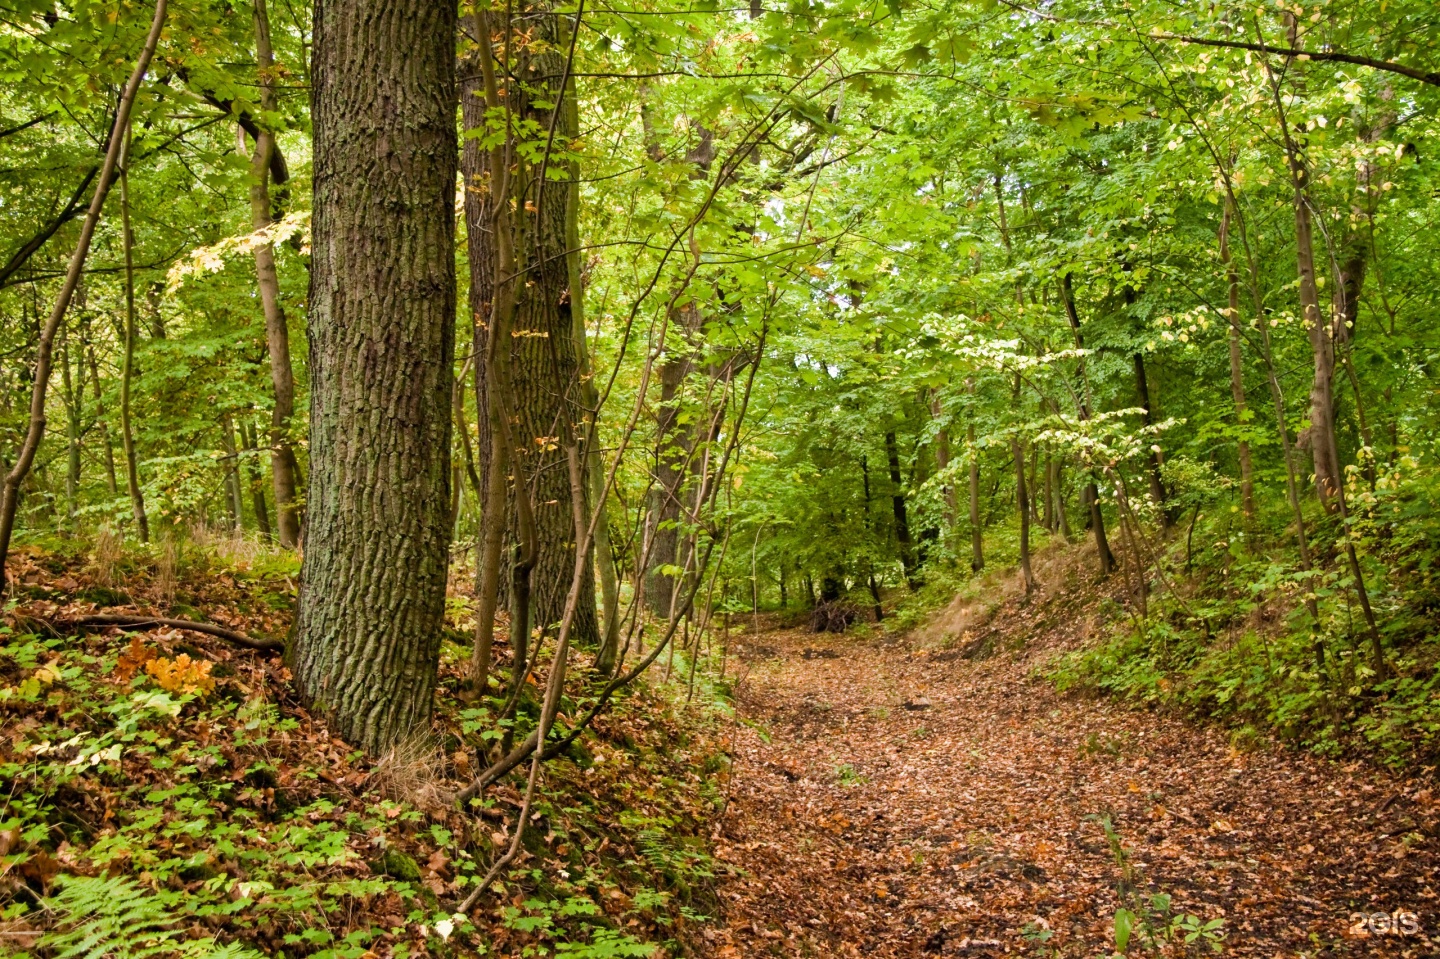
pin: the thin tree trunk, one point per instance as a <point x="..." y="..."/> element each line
<point x="942" y="463"/>
<point x="10" y="502"/>
<point x="1277" y="396"/>
<point x="1060" y="514"/>
<point x="977" y="534"/>
<point x="607" y="656"/>
<point x="284" y="469"/>
<point x="1320" y="437"/>
<point x="127" y="368"/>
<point x="1157" y="484"/>
<point x="72" y="399"/>
<point x="875" y="605"/>
<point x="1022" y="502"/>
<point x="382" y="308"/>
<point x="257" y="485"/>
<point x="898" y="509"/>
<point x="1237" y="369"/>
<point x="1090" y="494"/>
<point x="107" y="448"/>
<point x="232" y="473"/>
<point x="1048" y="517"/>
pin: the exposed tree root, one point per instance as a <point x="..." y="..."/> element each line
<point x="125" y="621"/>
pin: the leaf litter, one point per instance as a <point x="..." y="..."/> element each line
<point x="865" y="824"/>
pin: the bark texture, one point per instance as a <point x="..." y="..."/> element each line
<point x="382" y="305"/>
<point x="546" y="364"/>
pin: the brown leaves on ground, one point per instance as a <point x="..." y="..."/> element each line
<point x="865" y="828"/>
<point x="269" y="764"/>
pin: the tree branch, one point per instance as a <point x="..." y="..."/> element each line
<point x="1389" y="66"/>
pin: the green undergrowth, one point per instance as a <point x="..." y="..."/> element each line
<point x="163" y="794"/>
<point x="1238" y="645"/>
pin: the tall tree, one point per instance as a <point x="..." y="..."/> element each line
<point x="284" y="468"/>
<point x="35" y="431"/>
<point x="381" y="324"/>
<point x="543" y="362"/>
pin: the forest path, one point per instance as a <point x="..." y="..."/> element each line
<point x="914" y="802"/>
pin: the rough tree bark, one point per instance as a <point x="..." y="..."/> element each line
<point x="382" y="308"/>
<point x="543" y="357"/>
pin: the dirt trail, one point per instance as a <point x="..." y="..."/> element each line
<point x="914" y="802"/>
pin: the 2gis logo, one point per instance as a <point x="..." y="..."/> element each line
<point x="1401" y="922"/>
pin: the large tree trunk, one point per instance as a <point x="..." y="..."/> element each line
<point x="382" y="308"/>
<point x="284" y="469"/>
<point x="543" y="359"/>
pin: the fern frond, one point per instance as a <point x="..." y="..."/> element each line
<point x="116" y="918"/>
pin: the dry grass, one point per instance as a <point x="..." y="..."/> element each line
<point x="415" y="771"/>
<point x="105" y="558"/>
<point x="167" y="570"/>
<point x="1054" y="564"/>
<point x="232" y="546"/>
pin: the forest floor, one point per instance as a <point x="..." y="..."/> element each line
<point x="895" y="797"/>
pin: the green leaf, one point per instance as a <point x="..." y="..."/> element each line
<point x="1124" y="926"/>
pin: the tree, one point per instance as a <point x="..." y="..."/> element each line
<point x="382" y="307"/>
<point x="35" y="431"/>
<point x="521" y="285"/>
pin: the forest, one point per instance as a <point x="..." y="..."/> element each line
<point x="589" y="478"/>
